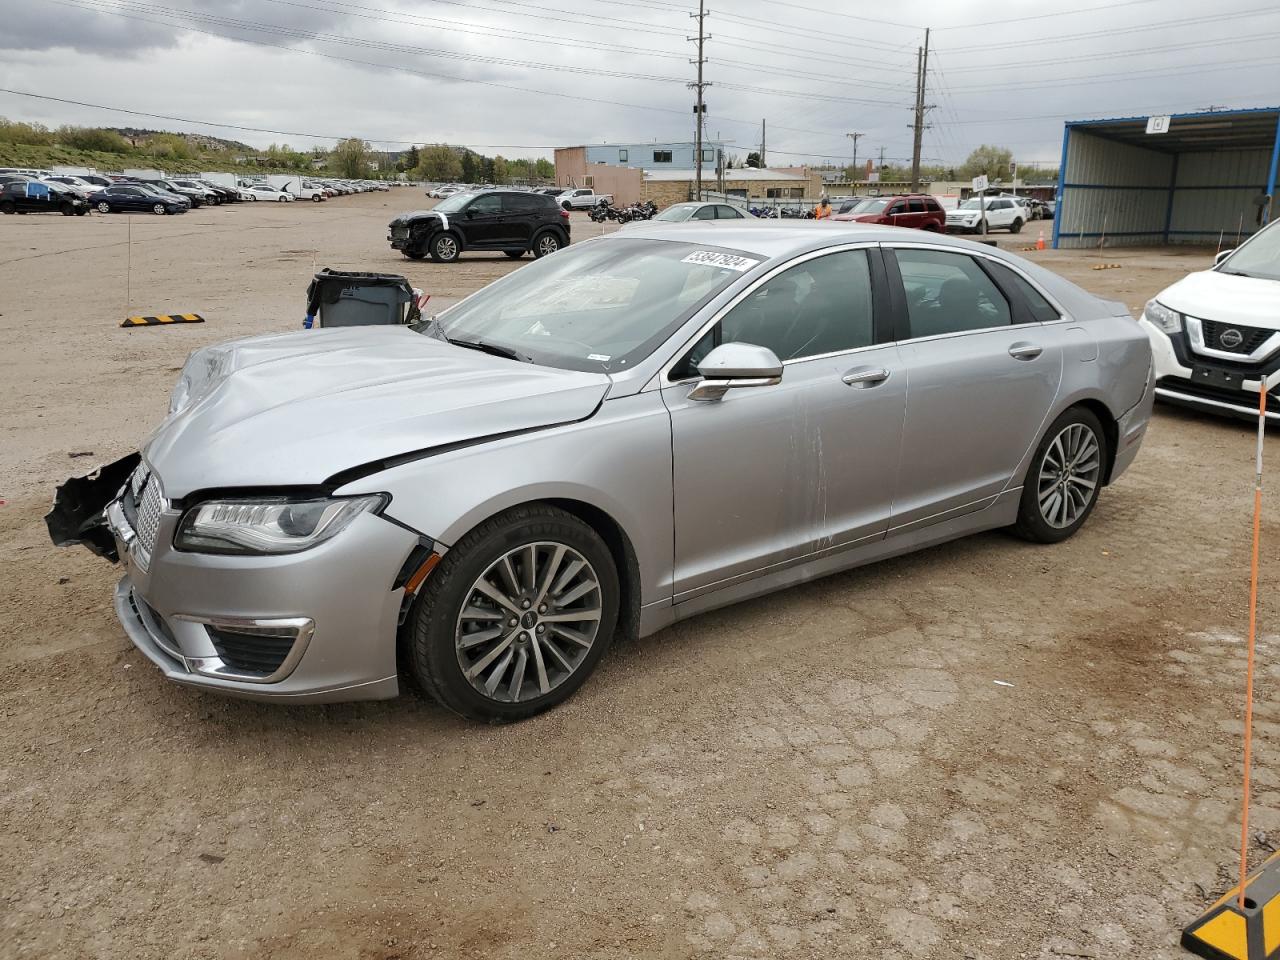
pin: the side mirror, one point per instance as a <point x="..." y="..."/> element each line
<point x="733" y="365"/>
<point x="1222" y="255"/>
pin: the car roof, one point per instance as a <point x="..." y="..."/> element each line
<point x="774" y="240"/>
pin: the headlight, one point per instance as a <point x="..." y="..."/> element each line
<point x="1170" y="321"/>
<point x="269" y="525"/>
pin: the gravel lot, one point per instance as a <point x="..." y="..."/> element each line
<point x="830" y="771"/>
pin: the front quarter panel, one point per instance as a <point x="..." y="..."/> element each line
<point x="618" y="460"/>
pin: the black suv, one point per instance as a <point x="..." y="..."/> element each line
<point x="508" y="220"/>
<point x="37" y="196"/>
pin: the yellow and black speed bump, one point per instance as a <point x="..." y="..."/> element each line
<point x="162" y="319"/>
<point x="1227" y="932"/>
<point x="1107" y="266"/>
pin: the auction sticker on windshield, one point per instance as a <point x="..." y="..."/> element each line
<point x="728" y="260"/>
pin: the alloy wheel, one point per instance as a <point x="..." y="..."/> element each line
<point x="548" y="245"/>
<point x="528" y="622"/>
<point x="158" y="209"/>
<point x="1069" y="475"/>
<point x="104" y="207"/>
<point x="446" y="248"/>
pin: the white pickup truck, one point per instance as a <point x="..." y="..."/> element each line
<point x="579" y="198"/>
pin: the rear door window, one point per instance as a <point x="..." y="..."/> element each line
<point x="949" y="293"/>
<point x="916" y="206"/>
<point x="704" y="213"/>
<point x="724" y="212"/>
<point x="1038" y="307"/>
<point x="517" y="203"/>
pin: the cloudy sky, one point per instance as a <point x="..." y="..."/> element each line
<point x="519" y="77"/>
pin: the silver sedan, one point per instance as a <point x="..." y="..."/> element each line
<point x="635" y="430"/>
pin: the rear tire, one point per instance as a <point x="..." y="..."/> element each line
<point x="104" y="207"/>
<point x="8" y="207"/>
<point x="1062" y="484"/>
<point x="567" y="205"/>
<point x="439" y="621"/>
<point x="158" y="209"/>
<point x="545" y="244"/>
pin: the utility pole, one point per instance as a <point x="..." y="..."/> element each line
<point x="762" y="132"/>
<point x="699" y="108"/>
<point x="922" y="72"/>
<point x="855" y="137"/>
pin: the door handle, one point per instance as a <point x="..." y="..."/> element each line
<point x="1025" y="351"/>
<point x="865" y="376"/>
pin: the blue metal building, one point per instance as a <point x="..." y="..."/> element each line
<point x="652" y="156"/>
<point x="1185" y="178"/>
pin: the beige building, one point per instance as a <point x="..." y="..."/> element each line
<point x="666" y="187"/>
<point x="622" y="183"/>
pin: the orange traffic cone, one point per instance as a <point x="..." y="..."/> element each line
<point x="1040" y="240"/>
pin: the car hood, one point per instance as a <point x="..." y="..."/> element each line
<point x="1213" y="295"/>
<point x="415" y="215"/>
<point x="296" y="409"/>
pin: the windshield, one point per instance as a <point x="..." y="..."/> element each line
<point x="677" y="214"/>
<point x="874" y="205"/>
<point x="972" y="204"/>
<point x="1258" y="257"/>
<point x="453" y="203"/>
<point x="598" y="306"/>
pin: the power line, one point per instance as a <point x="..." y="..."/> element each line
<point x="1139" y="52"/>
<point x="1045" y="16"/>
<point x="1145" y="28"/>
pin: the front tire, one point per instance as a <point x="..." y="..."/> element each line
<point x="514" y="254"/>
<point x="316" y="198"/>
<point x="1065" y="477"/>
<point x="8" y="207"/>
<point x="445" y="249"/>
<point x="68" y="210"/>
<point x="1016" y="226"/>
<point x="516" y="615"/>
<point x="414" y="254"/>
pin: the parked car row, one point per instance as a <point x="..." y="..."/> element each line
<point x="31" y="191"/>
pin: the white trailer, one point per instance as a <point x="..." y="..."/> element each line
<point x="145" y="174"/>
<point x="73" y="171"/>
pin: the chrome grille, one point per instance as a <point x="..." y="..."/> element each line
<point x="1242" y="339"/>
<point x="148" y="520"/>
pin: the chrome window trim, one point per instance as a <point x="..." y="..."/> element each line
<point x="662" y="379"/>
<point x="1195" y="333"/>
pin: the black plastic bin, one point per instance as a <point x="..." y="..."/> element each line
<point x="340" y="298"/>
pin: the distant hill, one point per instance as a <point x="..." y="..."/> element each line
<point x="200" y="140"/>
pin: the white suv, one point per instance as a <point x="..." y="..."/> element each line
<point x="1215" y="334"/>
<point x="1003" y="213"/>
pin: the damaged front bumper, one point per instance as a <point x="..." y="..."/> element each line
<point x="315" y="626"/>
<point x="79" y="509"/>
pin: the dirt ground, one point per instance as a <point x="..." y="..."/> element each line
<point x="833" y="771"/>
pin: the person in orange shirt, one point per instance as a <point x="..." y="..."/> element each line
<point x="823" y="209"/>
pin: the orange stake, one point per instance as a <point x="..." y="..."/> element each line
<point x="1253" y="627"/>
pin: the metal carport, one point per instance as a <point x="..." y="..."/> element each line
<point x="1201" y="180"/>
